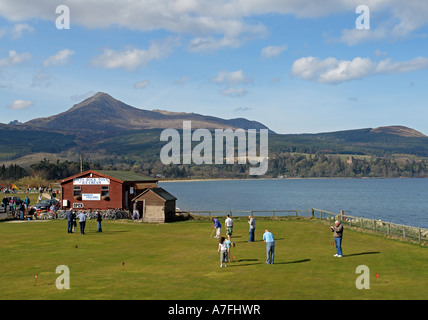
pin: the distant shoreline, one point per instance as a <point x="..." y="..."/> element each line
<point x="290" y="178"/>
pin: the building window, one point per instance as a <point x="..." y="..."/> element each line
<point x="77" y="192"/>
<point x="105" y="194"/>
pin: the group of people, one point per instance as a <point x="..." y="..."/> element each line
<point x="19" y="208"/>
<point x="225" y="245"/>
<point x="72" y="217"/>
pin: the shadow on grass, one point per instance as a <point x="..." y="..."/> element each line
<point x="290" y="262"/>
<point x="239" y="263"/>
<point x="244" y="263"/>
<point x="243" y="241"/>
<point x="95" y="232"/>
<point x="361" y="253"/>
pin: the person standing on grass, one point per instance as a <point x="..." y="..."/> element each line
<point x="21" y="211"/>
<point x="252" y="223"/>
<point x="74" y="220"/>
<point x="82" y="221"/>
<point x="99" y="219"/>
<point x="5" y="202"/>
<point x="69" y="216"/>
<point x="222" y="248"/>
<point x="270" y="246"/>
<point x="217" y="226"/>
<point x="229" y="226"/>
<point x="338" y="234"/>
<point x="229" y="245"/>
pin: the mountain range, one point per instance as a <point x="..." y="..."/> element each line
<point x="106" y="129"/>
<point x="103" y="113"/>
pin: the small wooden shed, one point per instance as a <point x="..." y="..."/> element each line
<point x="157" y="205"/>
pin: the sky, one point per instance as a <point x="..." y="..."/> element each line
<point x="297" y="66"/>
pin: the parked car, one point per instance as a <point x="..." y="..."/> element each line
<point x="45" y="204"/>
<point x="16" y="200"/>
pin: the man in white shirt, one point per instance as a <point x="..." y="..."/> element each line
<point x="229" y="226"/>
<point x="82" y="221"/>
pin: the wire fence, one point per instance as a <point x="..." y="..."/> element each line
<point x="386" y="228"/>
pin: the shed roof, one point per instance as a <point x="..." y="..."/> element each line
<point x="165" y="195"/>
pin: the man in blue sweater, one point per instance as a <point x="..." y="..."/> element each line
<point x="217" y="226"/>
<point x="270" y="246"/>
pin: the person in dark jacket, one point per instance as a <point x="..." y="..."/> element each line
<point x="21" y="211"/>
<point x="338" y="234"/>
<point x="70" y="217"/>
<point x="5" y="202"/>
<point x="99" y="219"/>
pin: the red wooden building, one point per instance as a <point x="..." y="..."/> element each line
<point x="103" y="189"/>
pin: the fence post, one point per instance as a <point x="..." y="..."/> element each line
<point x="297" y="213"/>
<point x="312" y="212"/>
<point x="274" y="213"/>
<point x="404" y="232"/>
<point x="420" y="235"/>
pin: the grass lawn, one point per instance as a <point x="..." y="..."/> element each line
<point x="180" y="261"/>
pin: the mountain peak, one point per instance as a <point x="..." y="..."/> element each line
<point x="99" y="97"/>
<point x="399" y="131"/>
<point x="103" y="113"/>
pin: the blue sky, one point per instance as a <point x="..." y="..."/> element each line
<point x="296" y="66"/>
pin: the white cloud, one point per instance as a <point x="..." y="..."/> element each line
<point x="331" y="70"/>
<point x="273" y="51"/>
<point x="181" y="82"/>
<point x="60" y="58"/>
<point x="20" y="105"/>
<point x="19" y="28"/>
<point x="132" y="58"/>
<point x="15" y="58"/>
<point x="83" y="96"/>
<point x="395" y="20"/>
<point x="356" y="36"/>
<point x="141" y="84"/>
<point x="210" y="43"/>
<point x="218" y="24"/>
<point x="242" y="109"/>
<point x="231" y="78"/>
<point x="387" y="66"/>
<point x="42" y="79"/>
<point x="234" y="92"/>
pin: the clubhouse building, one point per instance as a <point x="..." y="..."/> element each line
<point x="102" y="189"/>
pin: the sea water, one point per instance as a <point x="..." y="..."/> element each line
<point x="401" y="201"/>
